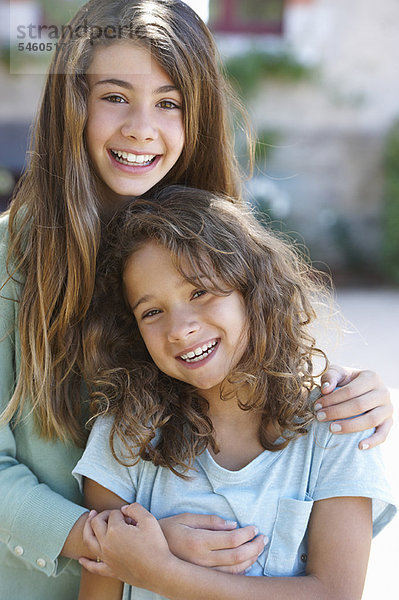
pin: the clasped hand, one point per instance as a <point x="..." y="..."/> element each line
<point x="131" y="544"/>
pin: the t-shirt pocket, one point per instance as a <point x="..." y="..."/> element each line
<point x="287" y="554"/>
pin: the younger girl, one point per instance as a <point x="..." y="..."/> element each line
<point x="134" y="99"/>
<point x="199" y="351"/>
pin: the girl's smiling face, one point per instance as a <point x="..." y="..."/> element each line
<point x="134" y="129"/>
<point x="191" y="334"/>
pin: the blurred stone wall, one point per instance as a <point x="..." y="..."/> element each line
<point x="323" y="177"/>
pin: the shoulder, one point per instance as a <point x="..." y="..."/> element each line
<point x="101" y="464"/>
<point x="98" y="449"/>
<point x="341" y="469"/>
<point x="3" y="236"/>
<point x="332" y="458"/>
<point x="21" y="224"/>
<point x="101" y="429"/>
<point x="10" y="287"/>
<point x="103" y="441"/>
<point x="340" y="448"/>
<point x="4" y="220"/>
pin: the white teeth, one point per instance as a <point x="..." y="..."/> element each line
<point x="129" y="157"/>
<point x="199" y="353"/>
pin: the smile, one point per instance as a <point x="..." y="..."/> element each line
<point x="133" y="160"/>
<point x="199" y="353"/>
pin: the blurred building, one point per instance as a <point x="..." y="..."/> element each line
<point x="324" y="133"/>
<point x="249" y="17"/>
<point x="22" y="76"/>
<point x="323" y="176"/>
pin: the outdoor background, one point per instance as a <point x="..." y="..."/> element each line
<point x="320" y="79"/>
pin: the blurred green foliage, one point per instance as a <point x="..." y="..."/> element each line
<point x="59" y="13"/>
<point x="248" y="11"/>
<point x="246" y="71"/>
<point x="354" y="259"/>
<point x="390" y="244"/>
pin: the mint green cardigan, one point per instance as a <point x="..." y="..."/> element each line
<point x="39" y="499"/>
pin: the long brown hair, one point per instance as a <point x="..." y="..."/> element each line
<point x="54" y="219"/>
<point x="220" y="247"/>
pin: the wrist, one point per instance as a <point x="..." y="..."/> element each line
<point x="168" y="574"/>
<point x="74" y="546"/>
<point x="172" y="533"/>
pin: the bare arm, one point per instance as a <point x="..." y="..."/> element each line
<point x="336" y="565"/>
<point x="187" y="535"/>
<point x="360" y="393"/>
<point x="205" y="540"/>
<point x="74" y="546"/>
<point x="92" y="585"/>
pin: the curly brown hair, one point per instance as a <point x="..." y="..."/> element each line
<point x="211" y="240"/>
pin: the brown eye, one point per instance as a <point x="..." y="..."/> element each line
<point x="168" y="104"/>
<point x="199" y="293"/>
<point x="115" y="99"/>
<point x="151" y="313"/>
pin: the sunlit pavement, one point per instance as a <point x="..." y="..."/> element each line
<point x="373" y="319"/>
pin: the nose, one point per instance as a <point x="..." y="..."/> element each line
<point x="139" y="125"/>
<point x="181" y="326"/>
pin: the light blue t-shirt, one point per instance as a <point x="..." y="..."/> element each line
<point x="275" y="491"/>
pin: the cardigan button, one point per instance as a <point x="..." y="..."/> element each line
<point x="41" y="563"/>
<point x="304" y="557"/>
<point x="18" y="550"/>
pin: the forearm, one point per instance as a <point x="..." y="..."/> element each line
<point x="75" y="546"/>
<point x="147" y="562"/>
<point x="28" y="508"/>
<point x="330" y="552"/>
<point x="99" y="588"/>
<point x="184" y="581"/>
<point x="36" y="522"/>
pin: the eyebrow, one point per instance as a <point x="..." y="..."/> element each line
<point x="150" y="297"/>
<point x="127" y="85"/>
<point x="141" y="300"/>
